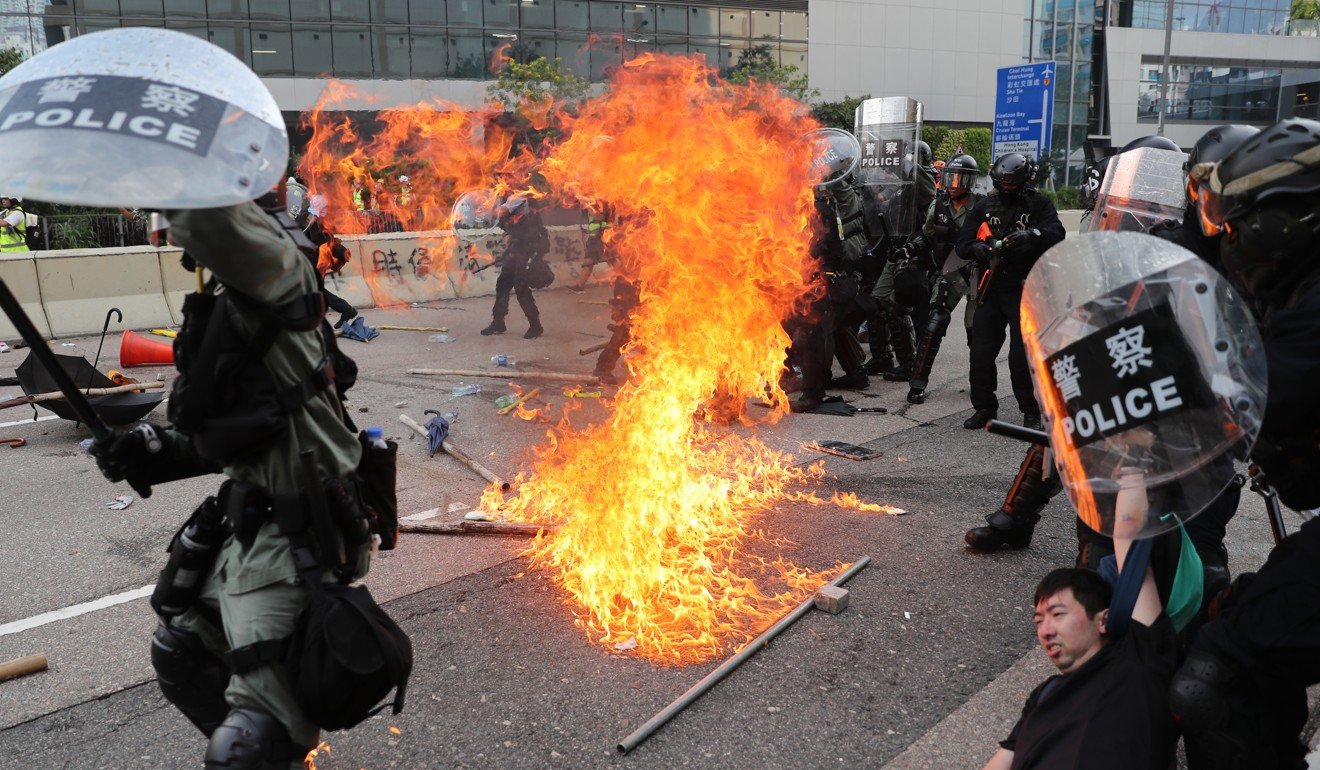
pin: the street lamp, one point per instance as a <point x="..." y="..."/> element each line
<point x="1164" y="76"/>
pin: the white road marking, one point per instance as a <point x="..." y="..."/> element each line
<point x="431" y="514"/>
<point x="29" y="422"/>
<point x="72" y="612"/>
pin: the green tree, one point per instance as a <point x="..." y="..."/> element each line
<point x="522" y="81"/>
<point x="840" y="114"/>
<point x="758" y="63"/>
<point x="934" y="136"/>
<point x="1304" y="9"/>
<point x="9" y="59"/>
<point x="973" y="141"/>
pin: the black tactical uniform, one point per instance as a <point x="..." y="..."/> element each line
<point x="1026" y="224"/>
<point x="528" y="241"/>
<point x="1241" y="694"/>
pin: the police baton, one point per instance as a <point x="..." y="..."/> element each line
<point x="1009" y="430"/>
<point x="77" y="401"/>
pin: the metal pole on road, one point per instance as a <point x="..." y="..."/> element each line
<point x="638" y="736"/>
<point x="1164" y="72"/>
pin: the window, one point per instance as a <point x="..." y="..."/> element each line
<point x="191" y="8"/>
<point x="390" y="11"/>
<point x="312" y="50"/>
<point x="352" y="52"/>
<point x="231" y="37"/>
<point x="194" y="28"/>
<point x="765" y="25"/>
<point x="150" y="8"/>
<point x="467" y="56"/>
<point x="426" y="12"/>
<point x="227" y="9"/>
<point x="734" y="23"/>
<point x="638" y="18"/>
<point x="392" y="52"/>
<point x="309" y="10"/>
<point x="272" y="49"/>
<point x="672" y="19"/>
<point x="703" y="21"/>
<point x="428" y="53"/>
<point x="464" y="13"/>
<point x="606" y="17"/>
<point x="270" y="9"/>
<point x="1210" y="94"/>
<point x="795" y="26"/>
<point x="571" y="14"/>
<point x="539" y="14"/>
<point x="351" y="10"/>
<point x="502" y="14"/>
<point x="96" y="7"/>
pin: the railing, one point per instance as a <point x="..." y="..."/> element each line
<point x="88" y="231"/>
<point x="1304" y="27"/>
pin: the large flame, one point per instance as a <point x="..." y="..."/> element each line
<point x="656" y="506"/>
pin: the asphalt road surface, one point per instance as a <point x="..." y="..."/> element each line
<point x="928" y="667"/>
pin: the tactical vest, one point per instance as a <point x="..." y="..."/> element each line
<point x="225" y="398"/>
<point x="15" y="239"/>
<point x="1004" y="217"/>
<point x="845" y="241"/>
<point x="947" y="227"/>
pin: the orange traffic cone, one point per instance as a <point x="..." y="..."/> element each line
<point x="136" y="350"/>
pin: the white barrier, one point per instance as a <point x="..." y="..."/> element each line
<point x="19" y="272"/>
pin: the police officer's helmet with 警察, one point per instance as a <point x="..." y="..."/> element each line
<point x="835" y="155"/>
<point x="141" y="117"/>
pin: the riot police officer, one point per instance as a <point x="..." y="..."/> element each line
<point x="896" y="316"/>
<point x="1241" y="694"/>
<point x="260" y="385"/>
<point x="528" y="241"/>
<point x="944" y="220"/>
<point x="1005" y="233"/>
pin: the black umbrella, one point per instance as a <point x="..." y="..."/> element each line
<point x="114" y="409"/>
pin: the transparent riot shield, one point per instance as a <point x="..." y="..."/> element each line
<point x="141" y="117"/>
<point x="1151" y="374"/>
<point x="1141" y="188"/>
<point x="888" y="130"/>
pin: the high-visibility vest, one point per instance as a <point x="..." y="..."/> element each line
<point x="15" y="238"/>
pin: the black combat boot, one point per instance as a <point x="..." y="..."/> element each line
<point x="980" y="418"/>
<point x="854" y="381"/>
<point x="496" y="327"/>
<point x="1014" y="522"/>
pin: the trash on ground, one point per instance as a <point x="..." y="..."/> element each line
<point x="357" y="329"/>
<point x="441" y="338"/>
<point x="575" y="391"/>
<point x="120" y="503"/>
<point x="477" y="515"/>
<point x="86" y="445"/>
<point x="400" y="404"/>
<point x="624" y="646"/>
<point x="4" y="347"/>
<point x="844" y="449"/>
<point x="14" y="443"/>
<point x="502" y="359"/>
<point x="466" y="390"/>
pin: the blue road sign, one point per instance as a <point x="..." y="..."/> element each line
<point x="1024" y="109"/>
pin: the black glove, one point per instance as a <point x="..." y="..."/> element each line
<point x="900" y="254"/>
<point x="1020" y="240"/>
<point x="980" y="253"/>
<point x="126" y="452"/>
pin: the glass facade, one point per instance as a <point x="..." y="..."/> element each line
<point x="1210" y="94"/>
<point x="424" y="39"/>
<point x="1064" y="31"/>
<point x="1239" y="17"/>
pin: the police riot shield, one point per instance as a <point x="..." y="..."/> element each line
<point x="1141" y="188"/>
<point x="835" y="155"/>
<point x="139" y="117"/>
<point x="475" y="210"/>
<point x="1151" y="374"/>
<point x="888" y="130"/>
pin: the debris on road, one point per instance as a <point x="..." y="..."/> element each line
<point x="509" y="375"/>
<point x="120" y="502"/>
<point x="14" y="443"/>
<point x="24" y="666"/>
<point x="628" y="644"/>
<point x="832" y="599"/>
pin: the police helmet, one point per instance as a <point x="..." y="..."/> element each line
<point x="924" y="155"/>
<point x="1265" y="195"/>
<point x="1011" y="172"/>
<point x="403" y="179"/>
<point x="1155" y="142"/>
<point x="14" y="198"/>
<point x="1213" y="147"/>
<point x="960" y="174"/>
<point x="515" y="207"/>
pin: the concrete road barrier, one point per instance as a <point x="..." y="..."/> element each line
<point x="78" y="286"/>
<point x="19" y="272"/>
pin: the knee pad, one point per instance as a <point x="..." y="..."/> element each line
<point x="190" y="676"/>
<point x="1198" y="693"/>
<point x="250" y="739"/>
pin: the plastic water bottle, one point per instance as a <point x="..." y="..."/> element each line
<point x="505" y="400"/>
<point x="376" y="437"/>
<point x="502" y="359"/>
<point x="466" y="390"/>
<point x="441" y="338"/>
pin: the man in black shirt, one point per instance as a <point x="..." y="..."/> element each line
<point x="1107" y="707"/>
